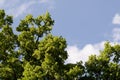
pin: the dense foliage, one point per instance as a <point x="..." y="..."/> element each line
<point x="106" y="66"/>
<point x="33" y="53"/>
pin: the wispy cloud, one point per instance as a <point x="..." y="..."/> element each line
<point x="116" y="34"/>
<point x="2" y="2"/>
<point x="116" y="19"/>
<point x="23" y="8"/>
<point x="44" y="1"/>
<point x="18" y="7"/>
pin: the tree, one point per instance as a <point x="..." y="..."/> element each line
<point x="33" y="53"/>
<point x="9" y="61"/>
<point x="74" y="71"/>
<point x="106" y="66"/>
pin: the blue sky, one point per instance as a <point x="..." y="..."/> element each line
<point x="85" y="21"/>
<point x="86" y="24"/>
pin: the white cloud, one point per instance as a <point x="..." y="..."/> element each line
<point x="116" y="34"/>
<point x="76" y="54"/>
<point x="116" y="19"/>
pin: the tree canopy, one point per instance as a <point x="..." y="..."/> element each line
<point x="33" y="53"/>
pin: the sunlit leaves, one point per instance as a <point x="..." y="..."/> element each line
<point x="32" y="72"/>
<point x="105" y="66"/>
<point x="35" y="54"/>
<point x="5" y="19"/>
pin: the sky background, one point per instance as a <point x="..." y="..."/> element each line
<point x="86" y="24"/>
